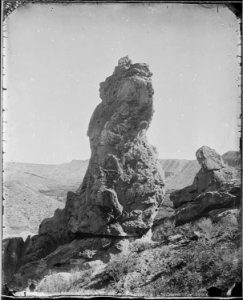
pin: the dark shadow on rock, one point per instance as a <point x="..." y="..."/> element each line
<point x="214" y="292"/>
<point x="237" y="290"/>
<point x="6" y="291"/>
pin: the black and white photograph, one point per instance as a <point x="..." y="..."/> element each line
<point x="121" y="149"/>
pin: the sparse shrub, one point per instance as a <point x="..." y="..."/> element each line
<point x="206" y="226"/>
<point x="213" y="259"/>
<point x="54" y="283"/>
<point x="119" y="267"/>
<point x="64" y="282"/>
<point x="157" y="269"/>
<point x="230" y="220"/>
<point x="185" y="272"/>
<point x="87" y="253"/>
<point x="165" y="230"/>
<point x="140" y="245"/>
<point x="184" y="282"/>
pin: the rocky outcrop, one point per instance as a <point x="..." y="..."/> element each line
<point x="223" y="213"/>
<point x="123" y="186"/>
<point x="12" y="249"/>
<point x="214" y="187"/>
<point x="79" y="254"/>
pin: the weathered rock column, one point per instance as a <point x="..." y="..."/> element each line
<point x="122" y="188"/>
<point x="124" y="184"/>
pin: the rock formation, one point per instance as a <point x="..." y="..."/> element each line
<point x="214" y="187"/>
<point x="123" y="186"/>
<point x="12" y="249"/>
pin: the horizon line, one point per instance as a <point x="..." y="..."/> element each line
<point x="87" y="159"/>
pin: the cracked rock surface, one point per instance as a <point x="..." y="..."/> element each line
<point x="124" y="184"/>
<point x="121" y="190"/>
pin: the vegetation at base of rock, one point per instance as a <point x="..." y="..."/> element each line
<point x="184" y="266"/>
<point x="59" y="283"/>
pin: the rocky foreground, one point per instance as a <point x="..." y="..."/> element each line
<point x="105" y="239"/>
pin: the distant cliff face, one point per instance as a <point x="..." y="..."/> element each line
<point x="124" y="184"/>
<point x="214" y="187"/>
<point x="179" y="172"/>
<point x="232" y="159"/>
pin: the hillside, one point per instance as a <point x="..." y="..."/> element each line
<point x="179" y="172"/>
<point x="33" y="192"/>
<point x="25" y="208"/>
<point x="232" y="158"/>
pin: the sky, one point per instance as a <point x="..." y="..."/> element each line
<point x="56" y="56"/>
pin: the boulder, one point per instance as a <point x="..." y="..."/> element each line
<point x="209" y="159"/>
<point x="214" y="187"/>
<point x="222" y="213"/>
<point x="203" y="204"/>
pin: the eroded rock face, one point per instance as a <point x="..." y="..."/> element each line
<point x="79" y="254"/>
<point x="214" y="187"/>
<point x="124" y="184"/>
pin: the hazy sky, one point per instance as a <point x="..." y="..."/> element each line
<point x="58" y="54"/>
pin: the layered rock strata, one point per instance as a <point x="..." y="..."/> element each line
<point x="214" y="187"/>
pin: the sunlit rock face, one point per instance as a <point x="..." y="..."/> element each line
<point x="213" y="188"/>
<point x="123" y="185"/>
<point x="122" y="188"/>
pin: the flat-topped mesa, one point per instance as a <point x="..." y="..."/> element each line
<point x="124" y="184"/>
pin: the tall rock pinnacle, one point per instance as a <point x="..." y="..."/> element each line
<point x="123" y="185"/>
